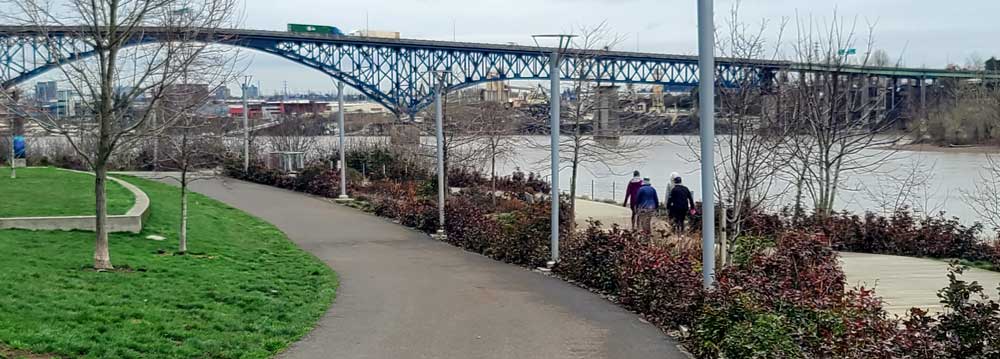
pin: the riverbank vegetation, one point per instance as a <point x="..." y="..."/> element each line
<point x="242" y="291"/>
<point x="784" y="295"/>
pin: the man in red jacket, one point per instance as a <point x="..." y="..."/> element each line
<point x="630" y="195"/>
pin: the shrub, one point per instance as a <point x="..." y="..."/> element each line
<point x="526" y="237"/>
<point x="664" y="285"/>
<point x="969" y="328"/>
<point x="465" y="177"/>
<point x="747" y="247"/>
<point x="802" y="269"/>
<point x="592" y="257"/>
<point x="738" y="327"/>
<point x="471" y="227"/>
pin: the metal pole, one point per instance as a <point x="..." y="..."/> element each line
<point x="246" y="130"/>
<point x="554" y="133"/>
<point x="341" y="129"/>
<point x="706" y="102"/>
<point x="439" y="129"/>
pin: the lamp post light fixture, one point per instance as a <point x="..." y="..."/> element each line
<point x="563" y="43"/>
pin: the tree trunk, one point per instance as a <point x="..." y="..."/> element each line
<point x="799" y="183"/>
<point x="13" y="169"/>
<point x="102" y="254"/>
<point x="572" y="196"/>
<point x="493" y="175"/>
<point x="724" y="239"/>
<point x="184" y="215"/>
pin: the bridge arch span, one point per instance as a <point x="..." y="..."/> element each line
<point x="399" y="74"/>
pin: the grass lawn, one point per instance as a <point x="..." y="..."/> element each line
<point x="245" y="291"/>
<point x="47" y="192"/>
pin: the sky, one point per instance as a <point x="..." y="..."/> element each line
<point x="919" y="32"/>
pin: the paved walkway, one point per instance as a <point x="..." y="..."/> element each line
<point x="608" y="214"/>
<point x="404" y="295"/>
<point x="903" y="282"/>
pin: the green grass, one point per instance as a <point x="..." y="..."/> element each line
<point x="244" y="291"/>
<point x="47" y="192"/>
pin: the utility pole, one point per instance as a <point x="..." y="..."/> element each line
<point x="246" y="126"/>
<point x="439" y="131"/>
<point x="706" y="102"/>
<point x="341" y="130"/>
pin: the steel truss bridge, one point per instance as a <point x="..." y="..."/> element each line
<point x="400" y="73"/>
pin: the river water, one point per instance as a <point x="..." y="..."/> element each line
<point x="947" y="175"/>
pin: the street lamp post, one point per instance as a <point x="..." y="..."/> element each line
<point x="439" y="134"/>
<point x="706" y="103"/>
<point x="246" y="126"/>
<point x="554" y="123"/>
<point x="341" y="143"/>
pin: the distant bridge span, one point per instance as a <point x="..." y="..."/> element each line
<point x="399" y="73"/>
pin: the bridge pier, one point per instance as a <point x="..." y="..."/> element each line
<point x="607" y="122"/>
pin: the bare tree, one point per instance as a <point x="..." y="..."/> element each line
<point x="836" y="118"/>
<point x="747" y="162"/>
<point x="880" y="58"/>
<point x="119" y="74"/>
<point x="593" y="132"/>
<point x="968" y="113"/>
<point x="12" y="127"/>
<point x="192" y="143"/>
<point x="910" y="188"/>
<point x="495" y="129"/>
<point x="985" y="198"/>
<point x="290" y="136"/>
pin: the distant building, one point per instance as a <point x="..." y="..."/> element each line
<point x="67" y="102"/>
<point x="46" y="91"/>
<point x="221" y="93"/>
<point x="185" y="95"/>
<point x="993" y="65"/>
<point x="252" y="91"/>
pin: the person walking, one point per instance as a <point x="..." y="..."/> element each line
<point x="670" y="185"/>
<point x="679" y="203"/>
<point x="648" y="203"/>
<point x="630" y="192"/>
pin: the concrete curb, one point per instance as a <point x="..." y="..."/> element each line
<point x="130" y="222"/>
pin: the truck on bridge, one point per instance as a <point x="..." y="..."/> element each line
<point x="315" y="29"/>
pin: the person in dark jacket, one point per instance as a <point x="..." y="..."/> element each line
<point x="647" y="202"/>
<point x="679" y="202"/>
<point x="630" y="191"/>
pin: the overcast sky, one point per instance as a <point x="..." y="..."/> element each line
<point x="923" y="32"/>
<point x="931" y="33"/>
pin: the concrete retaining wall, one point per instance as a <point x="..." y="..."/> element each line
<point x="131" y="221"/>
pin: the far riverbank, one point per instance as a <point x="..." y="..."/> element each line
<point x="930" y="147"/>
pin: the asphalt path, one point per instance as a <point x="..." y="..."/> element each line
<point x="405" y="295"/>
